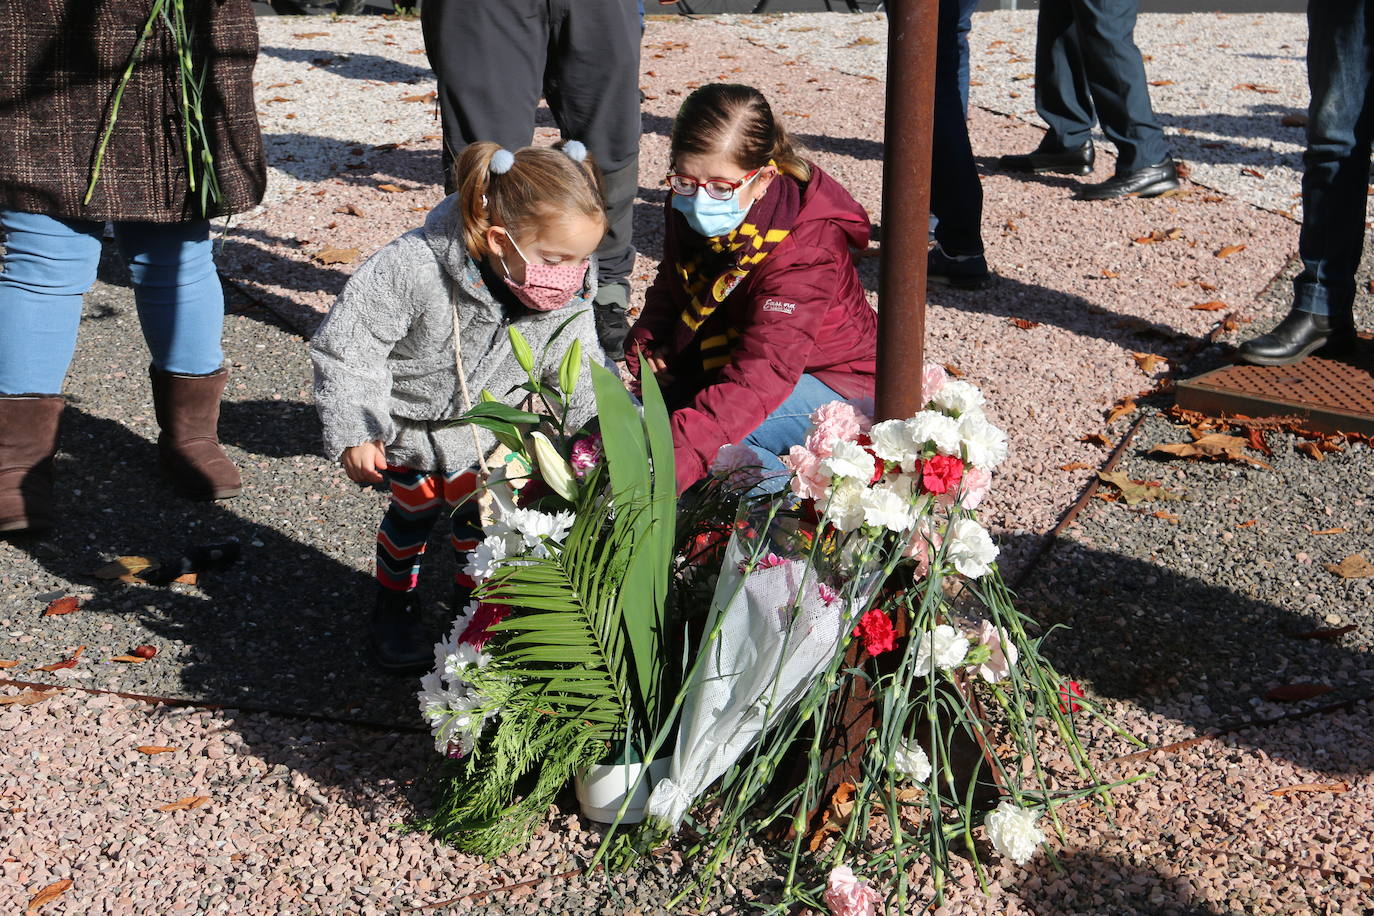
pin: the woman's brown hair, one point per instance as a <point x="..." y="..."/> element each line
<point x="541" y="182"/>
<point x="735" y="120"/>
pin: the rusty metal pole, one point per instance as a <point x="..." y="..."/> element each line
<point x="911" y="39"/>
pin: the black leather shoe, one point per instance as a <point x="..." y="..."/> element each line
<point x="1076" y="161"/>
<point x="1151" y="181"/>
<point x="398" y="640"/>
<point x="1297" y="337"/>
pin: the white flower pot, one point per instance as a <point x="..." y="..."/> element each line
<point x="601" y="790"/>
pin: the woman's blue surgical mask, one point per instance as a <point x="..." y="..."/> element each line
<point x="710" y="217"/>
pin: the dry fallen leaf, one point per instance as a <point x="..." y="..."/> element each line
<point x="1096" y="439"/>
<point x="1215" y="446"/>
<point x="128" y="659"/>
<point x="28" y="697"/>
<point x="861" y="41"/>
<point x="426" y="97"/>
<point x="1227" y="250"/>
<point x="954" y="370"/>
<point x="1161" y="82"/>
<point x="1160" y="235"/>
<point x="337" y="255"/>
<point x="1295" y="119"/>
<point x="1167" y="516"/>
<point x="1075" y="466"/>
<point x="186" y="804"/>
<point x="1294" y="693"/>
<point x="151" y="749"/>
<point x="1110" y="274"/>
<point x="390" y="188"/>
<point x="1216" y="305"/>
<point x="1255" y="439"/>
<point x="1250" y="524"/>
<point x="1135" y="491"/>
<point x="9" y="664"/>
<point x="1252" y="172"/>
<point x="1327" y="633"/>
<point x="311" y="34"/>
<point x="1354" y="566"/>
<point x="1332" y="531"/>
<point x="1256" y="87"/>
<point x="124" y="568"/>
<point x="1148" y="361"/>
<point x="47" y="895"/>
<point x="1120" y="409"/>
<point x="63" y="605"/>
<point x="1312" y="450"/>
<point x="1336" y="787"/>
<point x="350" y="209"/>
<point x="65" y="663"/>
<point x="1024" y="324"/>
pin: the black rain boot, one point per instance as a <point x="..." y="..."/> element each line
<point x="1299" y="335"/>
<point x="398" y="639"/>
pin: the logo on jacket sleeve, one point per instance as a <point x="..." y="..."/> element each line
<point x="777" y="305"/>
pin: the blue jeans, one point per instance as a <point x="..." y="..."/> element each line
<point x="1340" y="126"/>
<point x="956" y="193"/>
<point x="785" y="427"/>
<point x="966" y="10"/>
<point x="50" y="263"/>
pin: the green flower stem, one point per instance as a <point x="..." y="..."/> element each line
<point x="119" y="95"/>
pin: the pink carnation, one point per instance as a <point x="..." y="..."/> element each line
<point x="739" y="465"/>
<point x="974" y="486"/>
<point x="834" y="421"/>
<point x="933" y="378"/>
<point x="923" y="540"/>
<point x="846" y="895"/>
<point x="808" y="482"/>
<point x="828" y="594"/>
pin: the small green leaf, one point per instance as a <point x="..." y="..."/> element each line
<point x="495" y="410"/>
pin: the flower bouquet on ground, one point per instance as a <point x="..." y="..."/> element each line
<point x="562" y="661"/>
<point x="878" y="537"/>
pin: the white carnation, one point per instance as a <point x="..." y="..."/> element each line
<point x="933" y="427"/>
<point x="970" y="548"/>
<point x="849" y="461"/>
<point x="845" y="509"/>
<point x="911" y="761"/>
<point x="985" y="446"/>
<point x="485" y="557"/>
<point x="883" y="507"/>
<point x="1013" y="832"/>
<point x="892" y="442"/>
<point x="959" y="398"/>
<point x="943" y="647"/>
<point x="460" y="626"/>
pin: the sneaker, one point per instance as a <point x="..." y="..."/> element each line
<point x="612" y="324"/>
<point x="964" y="271"/>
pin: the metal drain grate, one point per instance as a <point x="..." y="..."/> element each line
<point x="1331" y="395"/>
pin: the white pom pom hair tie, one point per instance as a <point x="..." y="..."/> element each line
<point x="575" y="150"/>
<point x="501" y="161"/>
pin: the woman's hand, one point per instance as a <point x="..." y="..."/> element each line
<point x="363" y="463"/>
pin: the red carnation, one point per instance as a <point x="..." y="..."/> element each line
<point x="875" y="628"/>
<point x="1067" y="703"/>
<point x="941" y="473"/>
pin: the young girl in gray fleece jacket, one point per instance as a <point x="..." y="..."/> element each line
<point x="512" y="247"/>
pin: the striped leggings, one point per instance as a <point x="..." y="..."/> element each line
<point x="418" y="498"/>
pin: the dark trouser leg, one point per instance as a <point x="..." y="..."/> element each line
<point x="488" y="56"/>
<point x="1336" y="163"/>
<point x="465" y="533"/>
<point x="966" y="11"/>
<point x="1061" y="83"/>
<point x="1116" y="79"/>
<point x="956" y="194"/>
<point x="592" y="85"/>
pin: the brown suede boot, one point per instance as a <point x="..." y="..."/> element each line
<point x="28" y="438"/>
<point x="189" y="452"/>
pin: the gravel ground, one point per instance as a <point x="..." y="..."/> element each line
<point x="302" y="814"/>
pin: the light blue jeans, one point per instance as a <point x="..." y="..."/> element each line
<point x="785" y="427"/>
<point x="49" y="265"/>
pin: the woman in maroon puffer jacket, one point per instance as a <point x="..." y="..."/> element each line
<point x="757" y="316"/>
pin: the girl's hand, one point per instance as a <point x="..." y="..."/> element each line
<point x="363" y="463"/>
<point x="657" y="364"/>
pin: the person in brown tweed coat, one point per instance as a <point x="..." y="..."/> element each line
<point x="60" y="63"/>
